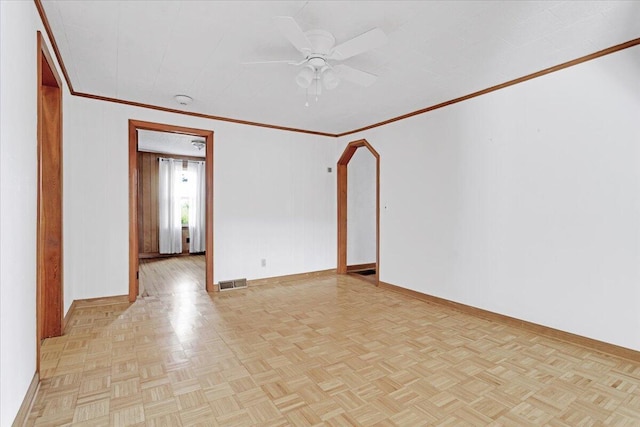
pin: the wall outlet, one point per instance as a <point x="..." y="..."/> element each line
<point x="263" y="262"/>
<point x="329" y="170"/>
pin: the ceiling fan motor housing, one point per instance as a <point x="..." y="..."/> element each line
<point x="322" y="42"/>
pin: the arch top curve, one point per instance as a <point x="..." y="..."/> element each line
<point x="351" y="148"/>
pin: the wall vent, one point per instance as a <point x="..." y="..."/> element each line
<point x="227" y="285"/>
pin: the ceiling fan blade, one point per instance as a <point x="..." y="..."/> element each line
<point x="278" y="61"/>
<point x="292" y="31"/>
<point x="356" y="76"/>
<point x="362" y="43"/>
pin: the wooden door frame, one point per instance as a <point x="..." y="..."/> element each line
<point x="49" y="221"/>
<point x="343" y="162"/>
<point x="134" y="126"/>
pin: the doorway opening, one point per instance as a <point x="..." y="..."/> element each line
<point x="49" y="264"/>
<point x="350" y="258"/>
<point x="172" y="155"/>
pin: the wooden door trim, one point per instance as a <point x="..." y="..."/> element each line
<point x="49" y="221"/>
<point x="134" y="126"/>
<point x="348" y="153"/>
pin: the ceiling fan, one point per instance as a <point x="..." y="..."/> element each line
<point x="318" y="51"/>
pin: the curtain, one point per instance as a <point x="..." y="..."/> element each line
<point x="197" y="207"/>
<point x="170" y="226"/>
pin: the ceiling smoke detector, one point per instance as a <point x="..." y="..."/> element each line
<point x="183" y="99"/>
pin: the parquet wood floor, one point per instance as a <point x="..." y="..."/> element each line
<point x="328" y="350"/>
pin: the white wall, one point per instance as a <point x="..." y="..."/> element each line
<point x="361" y="208"/>
<point x="525" y="201"/>
<point x="18" y="174"/>
<point x="273" y="198"/>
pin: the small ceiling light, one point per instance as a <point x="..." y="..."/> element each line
<point x="183" y="99"/>
<point x="198" y="144"/>
<point x="305" y="77"/>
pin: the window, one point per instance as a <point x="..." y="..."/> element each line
<point x="184" y="191"/>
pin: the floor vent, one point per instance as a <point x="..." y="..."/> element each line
<point x="227" y="285"/>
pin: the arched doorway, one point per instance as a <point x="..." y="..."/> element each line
<point x="343" y="162"/>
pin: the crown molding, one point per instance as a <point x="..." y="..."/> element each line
<point x="201" y="115"/>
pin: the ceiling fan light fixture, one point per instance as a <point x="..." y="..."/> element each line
<point x="305" y="77"/>
<point x="330" y="79"/>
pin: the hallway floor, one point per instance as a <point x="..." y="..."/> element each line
<point x="159" y="276"/>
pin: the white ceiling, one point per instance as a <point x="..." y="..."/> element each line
<point x="169" y="143"/>
<point x="148" y="51"/>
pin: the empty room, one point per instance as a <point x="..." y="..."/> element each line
<point x="343" y="213"/>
